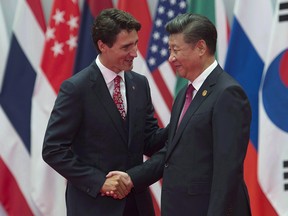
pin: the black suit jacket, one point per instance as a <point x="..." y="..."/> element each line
<point x="202" y="164"/>
<point x="86" y="138"/>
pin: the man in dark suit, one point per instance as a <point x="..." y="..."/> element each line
<point x="202" y="163"/>
<point x="103" y="120"/>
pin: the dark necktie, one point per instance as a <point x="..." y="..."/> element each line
<point x="117" y="97"/>
<point x="188" y="99"/>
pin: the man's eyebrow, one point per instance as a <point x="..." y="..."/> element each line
<point x="129" y="44"/>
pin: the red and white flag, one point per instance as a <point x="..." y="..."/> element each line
<point x="23" y="60"/>
<point x="57" y="65"/>
<point x="61" y="41"/>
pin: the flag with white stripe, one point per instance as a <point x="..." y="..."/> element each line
<point x="245" y="62"/>
<point x="15" y="112"/>
<point x="56" y="65"/>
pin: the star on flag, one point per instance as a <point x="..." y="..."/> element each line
<point x="61" y="41"/>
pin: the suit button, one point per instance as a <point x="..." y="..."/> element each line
<point x="166" y="165"/>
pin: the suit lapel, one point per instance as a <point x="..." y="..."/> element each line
<point x="177" y="109"/>
<point x="101" y="91"/>
<point x="131" y="98"/>
<point x="201" y="95"/>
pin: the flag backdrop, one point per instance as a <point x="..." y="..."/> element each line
<point x="15" y="112"/>
<point x="247" y="50"/>
<point x="273" y="118"/>
<point x="4" y="45"/>
<point x="31" y="75"/>
<point x="56" y="65"/>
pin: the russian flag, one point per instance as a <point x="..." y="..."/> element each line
<point x="245" y="61"/>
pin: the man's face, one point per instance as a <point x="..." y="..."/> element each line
<point x="183" y="56"/>
<point x="120" y="56"/>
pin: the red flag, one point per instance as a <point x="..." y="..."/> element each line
<point x="61" y="41"/>
<point x="144" y="18"/>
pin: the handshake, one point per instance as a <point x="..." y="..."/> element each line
<point x="117" y="185"/>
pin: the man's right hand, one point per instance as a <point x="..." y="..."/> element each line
<point x="118" y="185"/>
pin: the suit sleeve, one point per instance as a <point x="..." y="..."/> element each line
<point x="155" y="137"/>
<point x="149" y="172"/>
<point x="63" y="124"/>
<point x="231" y="126"/>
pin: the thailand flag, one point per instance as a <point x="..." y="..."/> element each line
<point x="273" y="119"/>
<point x="16" y="184"/>
<point x="4" y="46"/>
<point x="245" y="61"/>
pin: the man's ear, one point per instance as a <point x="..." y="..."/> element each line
<point x="202" y="47"/>
<point x="102" y="46"/>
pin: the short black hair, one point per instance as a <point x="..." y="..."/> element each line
<point x="108" y="24"/>
<point x="194" y="27"/>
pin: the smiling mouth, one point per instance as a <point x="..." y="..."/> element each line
<point x="129" y="61"/>
<point x="177" y="66"/>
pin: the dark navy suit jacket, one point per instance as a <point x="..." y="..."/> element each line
<point x="202" y="163"/>
<point x="86" y="138"/>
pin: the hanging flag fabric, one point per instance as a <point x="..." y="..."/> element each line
<point x="15" y="111"/>
<point x="56" y="65"/>
<point x="245" y="62"/>
<point x="216" y="12"/>
<point x="4" y="45"/>
<point x="61" y="42"/>
<point x="273" y="114"/>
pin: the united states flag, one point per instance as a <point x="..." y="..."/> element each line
<point x="157" y="56"/>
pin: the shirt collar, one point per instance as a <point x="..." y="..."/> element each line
<point x="197" y="83"/>
<point x="108" y="74"/>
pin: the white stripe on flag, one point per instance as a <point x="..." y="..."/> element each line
<point x="249" y="19"/>
<point x="168" y="76"/>
<point x="4" y="46"/>
<point x="2" y="211"/>
<point x="222" y="26"/>
<point x="49" y="182"/>
<point x="31" y="48"/>
<point x="16" y="158"/>
<point x="156" y="188"/>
